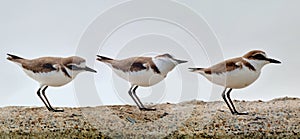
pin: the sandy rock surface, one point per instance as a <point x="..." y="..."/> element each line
<point x="276" y="118"/>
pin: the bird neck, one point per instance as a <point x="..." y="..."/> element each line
<point x="164" y="66"/>
<point x="73" y="74"/>
<point x="257" y="64"/>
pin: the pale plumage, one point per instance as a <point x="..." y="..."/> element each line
<point x="51" y="71"/>
<point x="142" y="71"/>
<point x="236" y="73"/>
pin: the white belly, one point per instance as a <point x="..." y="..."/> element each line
<point x="236" y="79"/>
<point x="141" y="78"/>
<point x="54" y="78"/>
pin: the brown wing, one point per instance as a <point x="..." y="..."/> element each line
<point x="41" y="64"/>
<point x="227" y="65"/>
<point x="135" y="64"/>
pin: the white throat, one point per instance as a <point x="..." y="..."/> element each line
<point x="257" y="64"/>
<point x="72" y="73"/>
<point x="164" y="66"/>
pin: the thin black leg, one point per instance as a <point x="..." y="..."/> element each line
<point x="39" y="94"/>
<point x="143" y="107"/>
<point x="235" y="111"/>
<point x="131" y="95"/>
<point x="224" y="97"/>
<point x="52" y="109"/>
<point x="138" y="100"/>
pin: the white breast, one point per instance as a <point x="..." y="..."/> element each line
<point x="236" y="79"/>
<point x="141" y="78"/>
<point x="53" y="78"/>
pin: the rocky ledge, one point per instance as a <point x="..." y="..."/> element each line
<point x="276" y="118"/>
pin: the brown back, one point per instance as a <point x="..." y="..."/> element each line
<point x="44" y="64"/>
<point x="134" y="64"/>
<point x="228" y="65"/>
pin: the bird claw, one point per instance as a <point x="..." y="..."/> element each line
<point x="57" y="110"/>
<point x="240" y="113"/>
<point x="147" y="109"/>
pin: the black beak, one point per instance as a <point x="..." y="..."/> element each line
<point x="180" y="61"/>
<point x="273" y="61"/>
<point x="90" y="69"/>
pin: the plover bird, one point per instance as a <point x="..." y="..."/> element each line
<point x="142" y="71"/>
<point x="51" y="71"/>
<point x="236" y="73"/>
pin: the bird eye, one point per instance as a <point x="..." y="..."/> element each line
<point x="259" y="56"/>
<point x="72" y="67"/>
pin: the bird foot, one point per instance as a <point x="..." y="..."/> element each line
<point x="240" y="113"/>
<point x="57" y="110"/>
<point x="147" y="109"/>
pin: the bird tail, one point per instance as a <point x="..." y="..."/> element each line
<point x="14" y="58"/>
<point x="104" y="59"/>
<point x="197" y="70"/>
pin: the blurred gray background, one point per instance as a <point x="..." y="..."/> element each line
<point x="36" y="28"/>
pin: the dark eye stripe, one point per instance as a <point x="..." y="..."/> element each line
<point x="73" y="67"/>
